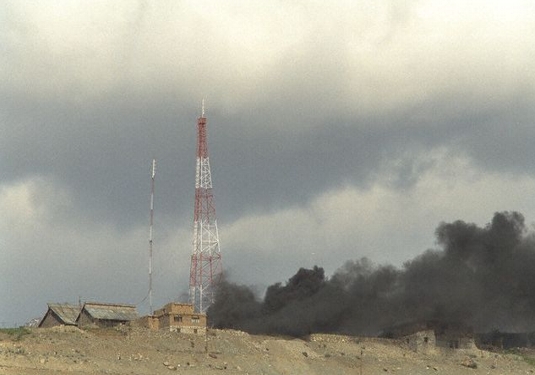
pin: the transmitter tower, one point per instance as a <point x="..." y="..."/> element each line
<point x="205" y="271"/>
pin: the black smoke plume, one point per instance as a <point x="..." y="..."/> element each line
<point x="480" y="277"/>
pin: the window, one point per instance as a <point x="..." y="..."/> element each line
<point x="177" y="318"/>
<point x="195" y="319"/>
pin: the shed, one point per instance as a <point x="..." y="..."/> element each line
<point x="105" y="314"/>
<point x="59" y="314"/>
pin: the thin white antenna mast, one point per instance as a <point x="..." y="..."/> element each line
<point x="153" y="175"/>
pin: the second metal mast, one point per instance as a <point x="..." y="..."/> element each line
<point x="153" y="175"/>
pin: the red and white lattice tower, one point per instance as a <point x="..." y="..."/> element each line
<point x="205" y="271"/>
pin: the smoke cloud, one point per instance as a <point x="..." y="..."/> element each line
<point x="481" y="277"/>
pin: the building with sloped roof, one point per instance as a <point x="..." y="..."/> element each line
<point x="59" y="314"/>
<point x="105" y="314"/>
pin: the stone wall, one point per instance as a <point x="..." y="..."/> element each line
<point x="146" y="322"/>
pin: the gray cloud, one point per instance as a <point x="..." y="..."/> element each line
<point x="307" y="105"/>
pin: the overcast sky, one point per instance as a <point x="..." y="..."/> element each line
<point x="336" y="130"/>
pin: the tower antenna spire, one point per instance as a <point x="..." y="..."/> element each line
<point x="205" y="271"/>
<point x="153" y="176"/>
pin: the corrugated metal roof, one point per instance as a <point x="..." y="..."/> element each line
<point x="67" y="313"/>
<point x="111" y="311"/>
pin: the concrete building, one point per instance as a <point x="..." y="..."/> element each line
<point x="427" y="336"/>
<point x="421" y="341"/>
<point x="454" y="336"/>
<point x="59" y="314"/>
<point x="175" y="317"/>
<point x="105" y="315"/>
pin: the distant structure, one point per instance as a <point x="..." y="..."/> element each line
<point x="205" y="271"/>
<point x="59" y="314"/>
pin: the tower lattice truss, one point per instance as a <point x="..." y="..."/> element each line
<point x="205" y="271"/>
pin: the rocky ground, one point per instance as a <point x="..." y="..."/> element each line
<point x="66" y="350"/>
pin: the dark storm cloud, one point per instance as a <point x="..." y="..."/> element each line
<point x="100" y="144"/>
<point x="101" y="152"/>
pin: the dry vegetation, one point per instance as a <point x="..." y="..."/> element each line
<point x="67" y="350"/>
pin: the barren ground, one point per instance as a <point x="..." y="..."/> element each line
<point x="66" y="350"/>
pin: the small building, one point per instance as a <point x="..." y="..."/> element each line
<point x="421" y="341"/>
<point x="454" y="336"/>
<point x="180" y="317"/>
<point x="430" y="335"/>
<point x="419" y="337"/>
<point x="105" y="315"/>
<point x="175" y="317"/>
<point x="59" y="314"/>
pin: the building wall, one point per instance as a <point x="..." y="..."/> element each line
<point x="164" y="321"/>
<point x="86" y="320"/>
<point x="425" y="341"/>
<point x="192" y="330"/>
<point x="50" y="320"/>
<point x="181" y="318"/>
<point x="455" y="336"/>
<point x="175" y="308"/>
<point x="422" y="341"/>
<point x="150" y="322"/>
<point x="458" y="341"/>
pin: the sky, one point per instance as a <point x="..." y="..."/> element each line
<point x="336" y="131"/>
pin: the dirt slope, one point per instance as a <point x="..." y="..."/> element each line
<point x="139" y="351"/>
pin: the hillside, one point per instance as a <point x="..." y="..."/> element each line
<point x="66" y="350"/>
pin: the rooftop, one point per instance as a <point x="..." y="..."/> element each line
<point x="67" y="313"/>
<point x="107" y="311"/>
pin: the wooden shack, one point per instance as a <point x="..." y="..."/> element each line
<point x="59" y="314"/>
<point x="105" y="315"/>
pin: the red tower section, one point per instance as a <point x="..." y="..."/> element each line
<point x="205" y="271"/>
